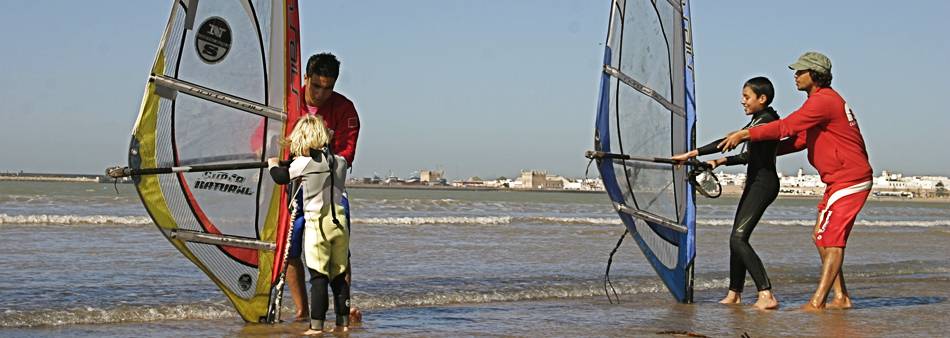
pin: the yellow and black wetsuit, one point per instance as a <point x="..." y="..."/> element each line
<point x="325" y="237"/>
<point x="761" y="188"/>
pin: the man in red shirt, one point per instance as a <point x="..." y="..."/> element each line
<point x="341" y="118"/>
<point x="825" y="125"/>
<point x="337" y="110"/>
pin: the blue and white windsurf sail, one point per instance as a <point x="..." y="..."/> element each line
<point x="646" y="112"/>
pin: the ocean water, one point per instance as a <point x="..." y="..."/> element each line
<point x="79" y="259"/>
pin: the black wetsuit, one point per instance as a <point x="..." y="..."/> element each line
<point x="761" y="188"/>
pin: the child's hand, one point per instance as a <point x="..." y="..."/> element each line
<point x="713" y="164"/>
<point x="272" y="162"/>
<point x="682" y="158"/>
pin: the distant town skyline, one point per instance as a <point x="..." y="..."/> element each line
<point x="481" y="88"/>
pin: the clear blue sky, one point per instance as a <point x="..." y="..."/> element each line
<point x="482" y="88"/>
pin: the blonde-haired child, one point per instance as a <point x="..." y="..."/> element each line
<point x="321" y="176"/>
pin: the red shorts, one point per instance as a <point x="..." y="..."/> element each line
<point x="837" y="212"/>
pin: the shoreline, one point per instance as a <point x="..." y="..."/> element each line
<point x="727" y="191"/>
<point x="56" y="178"/>
<point x="731" y="192"/>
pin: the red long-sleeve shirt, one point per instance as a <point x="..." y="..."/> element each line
<point x="340" y="116"/>
<point x="826" y="126"/>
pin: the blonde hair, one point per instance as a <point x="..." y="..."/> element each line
<point x="309" y="133"/>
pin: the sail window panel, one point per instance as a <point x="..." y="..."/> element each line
<point x="173" y="46"/>
<point x="272" y="147"/>
<point x="680" y="145"/>
<point x="205" y="133"/>
<point x="227" y="270"/>
<point x="241" y="71"/>
<point x="616" y="26"/>
<point x="647" y="132"/>
<point x="645" y="54"/>
<point x="669" y="18"/>
<point x="265" y="13"/>
<point x="667" y="253"/>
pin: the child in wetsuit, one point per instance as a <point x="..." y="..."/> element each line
<point x="761" y="188"/>
<point x="321" y="178"/>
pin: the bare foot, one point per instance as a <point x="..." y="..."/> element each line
<point x="809" y="307"/>
<point x="732" y="298"/>
<point x="305" y="318"/>
<point x="766" y="303"/>
<point x="342" y="329"/>
<point x="312" y="332"/>
<point x="842" y="303"/>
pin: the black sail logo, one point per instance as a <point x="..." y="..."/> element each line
<point x="225" y="182"/>
<point x="213" y="40"/>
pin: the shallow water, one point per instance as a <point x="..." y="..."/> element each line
<point x="81" y="260"/>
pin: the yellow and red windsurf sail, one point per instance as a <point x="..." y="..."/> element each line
<point x="226" y="77"/>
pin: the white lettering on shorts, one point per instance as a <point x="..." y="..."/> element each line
<point x="825" y="217"/>
<point x="825" y="214"/>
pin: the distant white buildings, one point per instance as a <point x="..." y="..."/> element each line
<point x="534" y="179"/>
<point x="896" y="184"/>
<point x="800" y="180"/>
<point x="887" y="184"/>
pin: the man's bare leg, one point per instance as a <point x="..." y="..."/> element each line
<point x="298" y="288"/>
<point x="831" y="259"/>
<point x="841" y="299"/>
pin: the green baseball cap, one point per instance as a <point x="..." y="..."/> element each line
<point x="812" y="61"/>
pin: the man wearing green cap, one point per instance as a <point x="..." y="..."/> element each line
<point x="825" y="125"/>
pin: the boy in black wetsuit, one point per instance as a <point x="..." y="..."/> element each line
<point x="761" y="188"/>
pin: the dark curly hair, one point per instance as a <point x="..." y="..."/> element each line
<point x="823" y="80"/>
<point x="323" y="64"/>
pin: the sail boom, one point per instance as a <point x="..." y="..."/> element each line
<point x="212" y="95"/>
<point x="601" y="154"/>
